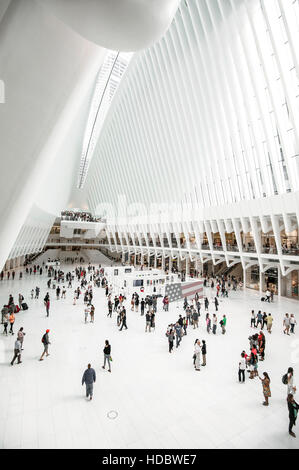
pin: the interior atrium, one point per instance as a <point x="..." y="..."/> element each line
<point x="147" y="148"/>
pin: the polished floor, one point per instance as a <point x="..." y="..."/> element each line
<point x="160" y="400"/>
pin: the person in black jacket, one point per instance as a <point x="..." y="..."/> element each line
<point x="107" y="353"/>
<point x="293" y="411"/>
<point x="123" y="320"/>
<point x="204" y="353"/>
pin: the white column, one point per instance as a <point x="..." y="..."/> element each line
<point x="163" y="262"/>
<point x="279" y="281"/>
<point x="155" y="262"/>
<point x="170" y="263"/>
<point x="244" y="277"/>
<point x="187" y="266"/>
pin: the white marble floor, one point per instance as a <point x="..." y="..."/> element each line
<point x="160" y="400"/>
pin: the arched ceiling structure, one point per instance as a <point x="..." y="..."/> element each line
<point x="50" y="57"/>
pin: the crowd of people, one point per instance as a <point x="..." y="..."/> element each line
<point x="78" y="216"/>
<point x="196" y="313"/>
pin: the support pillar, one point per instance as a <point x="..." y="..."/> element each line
<point x="170" y="263"/>
<point x="244" y="277"/>
<point x="278" y="281"/>
<point x="163" y="262"/>
<point x="155" y="261"/>
<point x="187" y="266"/>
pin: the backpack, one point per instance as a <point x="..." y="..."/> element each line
<point x="285" y="379"/>
<point x="43" y="338"/>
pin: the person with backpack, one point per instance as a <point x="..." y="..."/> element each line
<point x="89" y="377"/>
<point x="195" y="319"/>
<point x="266" y="387"/>
<point x="253" y="361"/>
<point x="288" y="379"/>
<point x="293" y="412"/>
<point x="259" y="319"/>
<point x="46" y="342"/>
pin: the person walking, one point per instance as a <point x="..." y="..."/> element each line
<point x="293" y="322"/>
<point x="223" y="324"/>
<point x="21" y="298"/>
<point x="214" y="323"/>
<point x="153" y="323"/>
<point x="11" y="321"/>
<point x="204" y="353"/>
<point x="107" y="355"/>
<point x="197" y="351"/>
<point x="286" y="324"/>
<point x="5" y="319"/>
<point x="259" y="319"/>
<point x="242" y="367"/>
<point x="208" y="322"/>
<point x="195" y="319"/>
<point x="46" y="342"/>
<point x="89" y="378"/>
<point x="47" y="303"/>
<point x="178" y="334"/>
<point x="92" y="310"/>
<point x="293" y="412"/>
<point x="252" y="320"/>
<point x="21" y="335"/>
<point x="123" y="319"/>
<point x="86" y="313"/>
<point x="266" y="387"/>
<point x="17" y="352"/>
<point x="170" y="339"/>
<point x="148" y="322"/>
<point x="290" y="381"/>
<point x="269" y="322"/>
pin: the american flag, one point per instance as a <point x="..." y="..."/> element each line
<point x="180" y="290"/>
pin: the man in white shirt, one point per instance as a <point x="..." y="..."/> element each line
<point x="242" y="367"/>
<point x="286" y="324"/>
